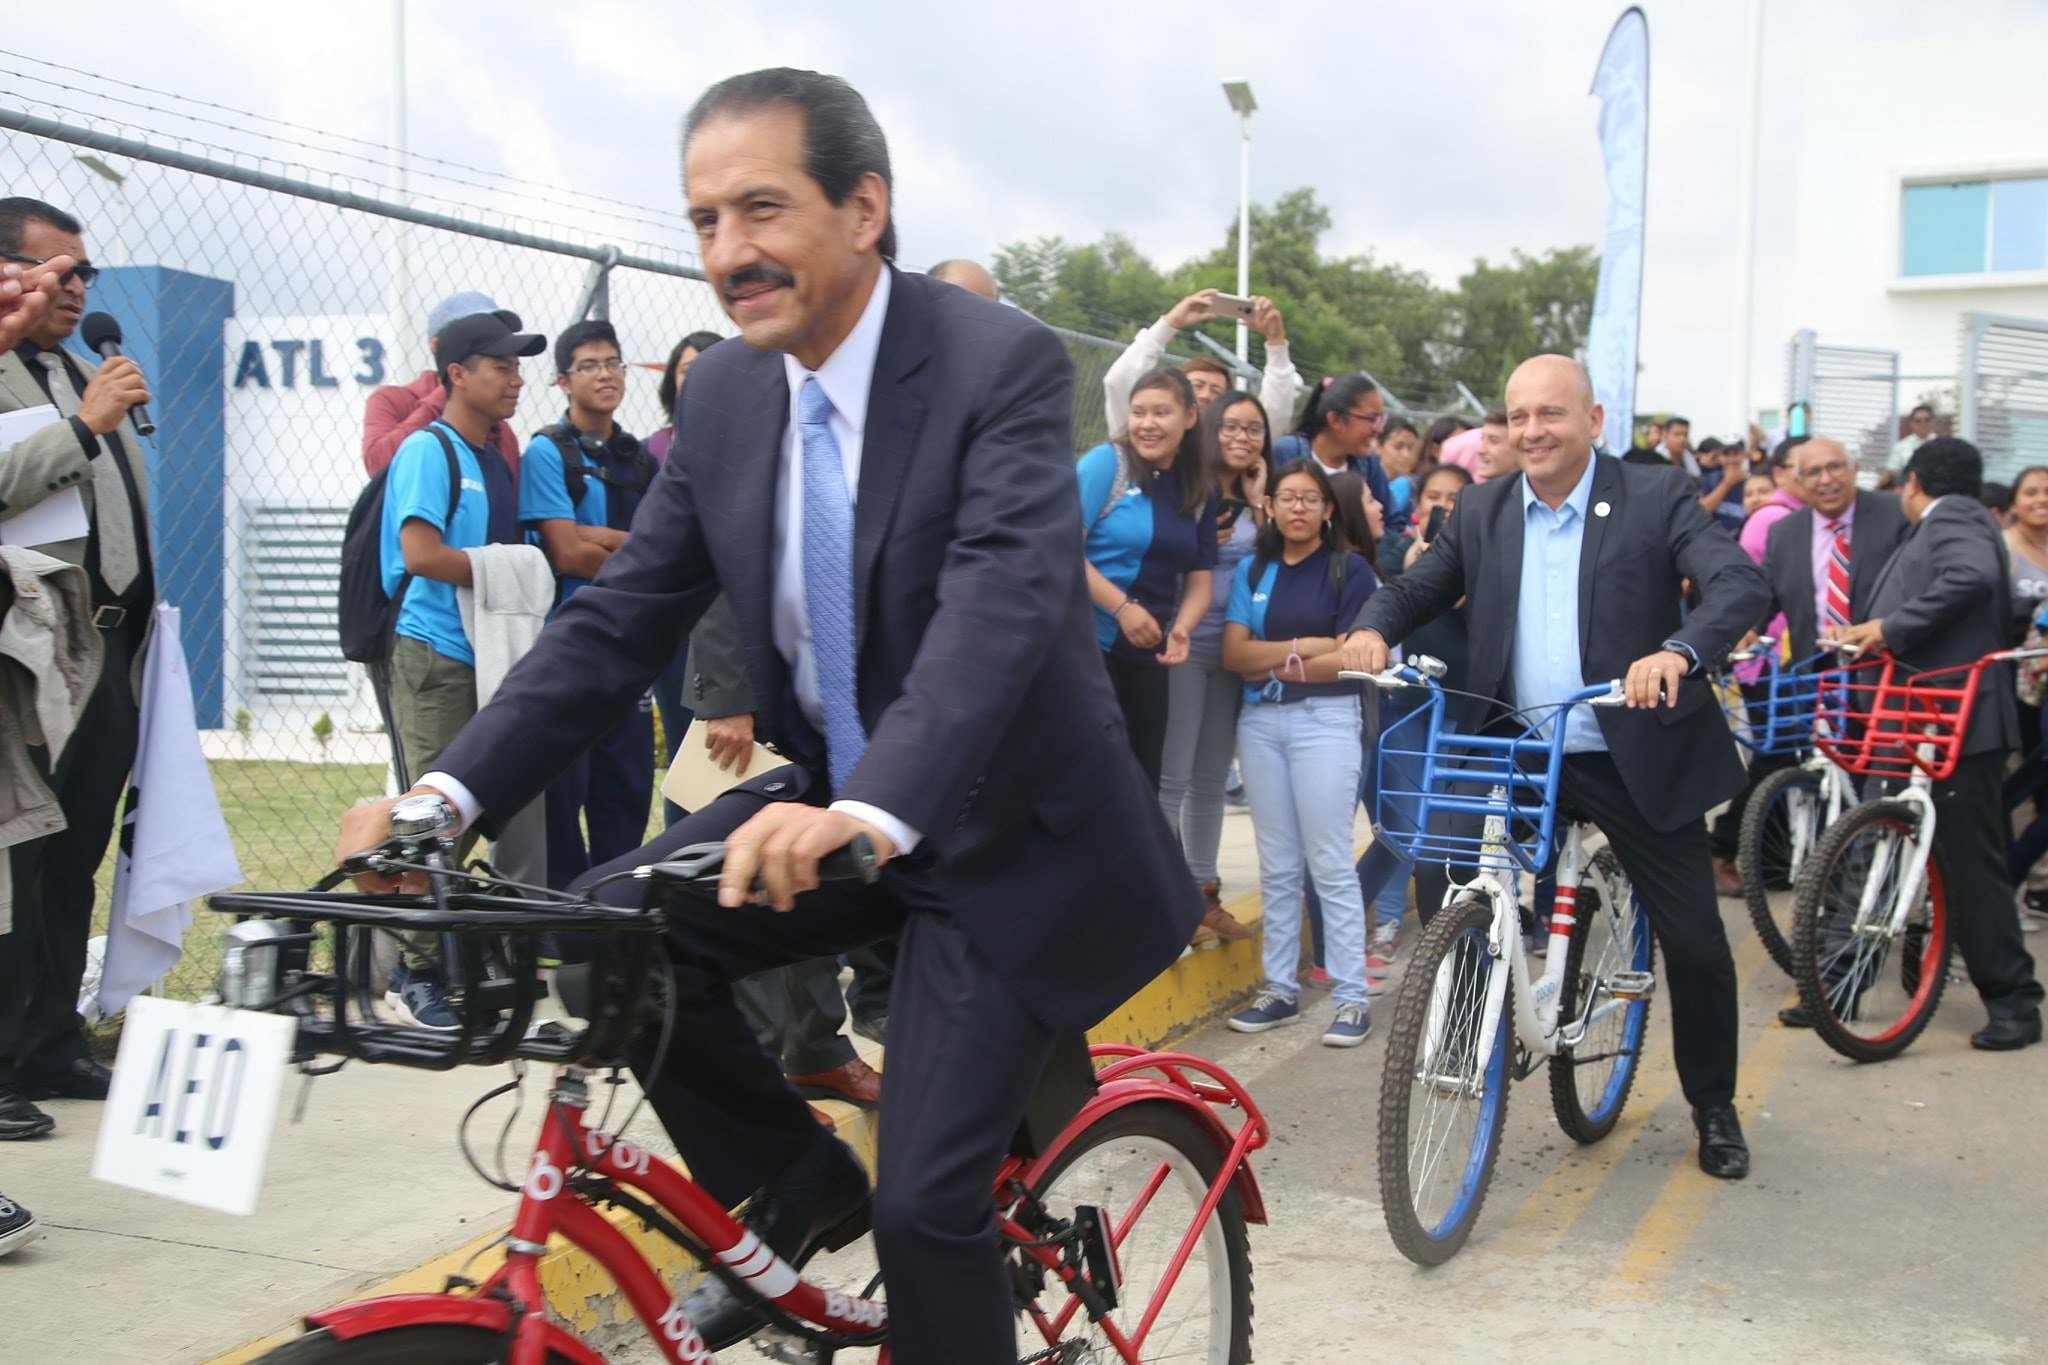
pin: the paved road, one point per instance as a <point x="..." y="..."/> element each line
<point x="1896" y="1213"/>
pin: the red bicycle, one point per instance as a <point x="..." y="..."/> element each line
<point x="1124" y="1228"/>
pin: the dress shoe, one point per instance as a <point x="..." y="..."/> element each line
<point x="1795" y="1016"/>
<point x="81" y="1078"/>
<point x="1723" y="1153"/>
<point x="1219" y="921"/>
<point x="855" y="1082"/>
<point x="1727" y="881"/>
<point x="2007" y="1035"/>
<point x="20" y="1119"/>
<point x="819" y="1204"/>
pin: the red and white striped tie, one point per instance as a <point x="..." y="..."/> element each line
<point x="1838" y="577"/>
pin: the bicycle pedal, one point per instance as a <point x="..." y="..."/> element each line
<point x="1631" y="985"/>
<point x="780" y="1346"/>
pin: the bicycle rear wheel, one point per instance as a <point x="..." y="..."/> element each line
<point x="1590" y="1082"/>
<point x="1147" y="1167"/>
<point x="1864" y="1004"/>
<point x="1442" y="1106"/>
<point x="420" y="1344"/>
<point x="1780" y="827"/>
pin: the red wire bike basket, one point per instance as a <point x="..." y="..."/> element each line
<point x="1884" y="720"/>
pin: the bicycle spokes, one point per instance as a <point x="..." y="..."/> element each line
<point x="1450" y="1081"/>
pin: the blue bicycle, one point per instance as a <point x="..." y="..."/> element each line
<point x="1471" y="1014"/>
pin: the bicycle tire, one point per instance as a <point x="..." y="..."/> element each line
<point x="1168" y="1126"/>
<point x="1923" y="980"/>
<point x="411" y="1344"/>
<point x="1579" y="1122"/>
<point x="1759" y="864"/>
<point x="1434" y="1243"/>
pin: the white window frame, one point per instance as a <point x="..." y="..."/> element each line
<point x="1973" y="280"/>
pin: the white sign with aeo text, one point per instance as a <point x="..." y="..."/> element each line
<point x="194" y="1102"/>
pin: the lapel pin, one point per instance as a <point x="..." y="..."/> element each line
<point x="1601" y="509"/>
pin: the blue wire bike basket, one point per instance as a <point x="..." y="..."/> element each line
<point x="1776" y="713"/>
<point x="1469" y="777"/>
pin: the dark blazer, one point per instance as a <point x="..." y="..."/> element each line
<point x="1677" y="763"/>
<point x="1945" y="598"/>
<point x="1878" y="529"/>
<point x="715" y="677"/>
<point x="992" y="728"/>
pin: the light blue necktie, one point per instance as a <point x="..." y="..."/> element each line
<point x="828" y="583"/>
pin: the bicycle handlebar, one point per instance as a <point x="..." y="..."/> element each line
<point x="1420" y="674"/>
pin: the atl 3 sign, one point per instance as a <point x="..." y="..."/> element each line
<point x="282" y="357"/>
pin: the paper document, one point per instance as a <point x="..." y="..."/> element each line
<point x="694" y="781"/>
<point x="60" y="516"/>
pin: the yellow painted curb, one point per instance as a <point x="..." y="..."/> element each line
<point x="1197" y="987"/>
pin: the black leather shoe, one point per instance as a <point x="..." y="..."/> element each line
<point x="82" y="1078"/>
<point x="1723" y="1153"/>
<point x="2007" y="1035"/>
<point x="20" y="1119"/>
<point x="1795" y="1016"/>
<point x="819" y="1204"/>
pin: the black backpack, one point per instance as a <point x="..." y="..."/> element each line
<point x="576" y="475"/>
<point x="368" y="617"/>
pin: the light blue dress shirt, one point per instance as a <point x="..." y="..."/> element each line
<point x="1547" y="664"/>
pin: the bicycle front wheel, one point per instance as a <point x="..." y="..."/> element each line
<point x="1870" y="989"/>
<point x="421" y="1344"/>
<point x="1780" y="827"/>
<point x="1442" y="1106"/>
<point x="1147" y="1167"/>
<point x="1590" y="1082"/>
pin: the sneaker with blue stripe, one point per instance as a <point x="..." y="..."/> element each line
<point x="1270" y="1010"/>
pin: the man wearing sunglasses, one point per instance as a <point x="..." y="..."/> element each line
<point x="92" y="450"/>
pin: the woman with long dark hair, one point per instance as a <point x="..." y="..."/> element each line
<point x="1337" y="429"/>
<point x="1148" y="517"/>
<point x="1291" y="604"/>
<point x="1203" y="695"/>
<point x="679" y="361"/>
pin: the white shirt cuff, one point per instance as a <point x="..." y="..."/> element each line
<point x="903" y="836"/>
<point x="467" y="807"/>
<point x="1279" y="361"/>
<point x="1160" y="333"/>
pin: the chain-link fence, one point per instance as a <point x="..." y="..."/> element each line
<point x="267" y="299"/>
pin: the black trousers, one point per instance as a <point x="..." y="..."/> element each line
<point x="43" y="960"/>
<point x="1141" y="693"/>
<point x="964" y="1056"/>
<point x="796" y="1013"/>
<point x="1969" y="830"/>
<point x="608" y="788"/>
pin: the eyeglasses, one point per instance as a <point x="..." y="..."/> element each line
<point x="1305" y="501"/>
<point x="85" y="272"/>
<point x="1255" y="431"/>
<point x="1369" y="418"/>
<point x="1832" y="469"/>
<point x="586" y="368"/>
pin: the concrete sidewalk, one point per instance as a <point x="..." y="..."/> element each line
<point x="367" y="1193"/>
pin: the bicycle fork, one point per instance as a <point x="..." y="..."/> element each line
<point x="1872" y="920"/>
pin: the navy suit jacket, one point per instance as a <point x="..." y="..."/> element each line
<point x="992" y="727"/>
<point x="1677" y="763"/>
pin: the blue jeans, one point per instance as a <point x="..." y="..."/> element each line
<point x="1294" y="757"/>
<point x="1382" y="873"/>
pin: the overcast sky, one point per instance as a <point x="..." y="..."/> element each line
<point x="1434" y="133"/>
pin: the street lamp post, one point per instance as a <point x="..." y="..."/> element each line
<point x="1239" y="93"/>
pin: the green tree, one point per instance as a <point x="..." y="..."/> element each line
<point x="1350" y="312"/>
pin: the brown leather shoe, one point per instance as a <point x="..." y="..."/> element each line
<point x="1204" y="937"/>
<point x="855" y="1082"/>
<point x="1727" y="882"/>
<point x="1219" y="921"/>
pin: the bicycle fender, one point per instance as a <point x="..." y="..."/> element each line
<point x="350" y="1320"/>
<point x="1121" y="1094"/>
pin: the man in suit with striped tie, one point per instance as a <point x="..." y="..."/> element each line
<point x="93" y="450"/>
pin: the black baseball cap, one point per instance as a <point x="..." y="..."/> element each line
<point x="495" y="334"/>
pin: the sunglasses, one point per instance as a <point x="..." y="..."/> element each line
<point x="85" y="272"/>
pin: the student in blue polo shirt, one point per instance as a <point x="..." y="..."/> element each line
<point x="433" y="667"/>
<point x="1291" y="604"/>
<point x="582" y="480"/>
<point x="1148" y="513"/>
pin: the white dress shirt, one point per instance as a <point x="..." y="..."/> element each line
<point x="847" y="376"/>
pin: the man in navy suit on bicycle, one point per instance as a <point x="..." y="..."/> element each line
<point x="1575" y="573"/>
<point x="879" y="476"/>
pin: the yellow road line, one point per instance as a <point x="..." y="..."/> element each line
<point x="1542" y="1219"/>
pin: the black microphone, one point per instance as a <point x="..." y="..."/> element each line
<point x="103" y="334"/>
